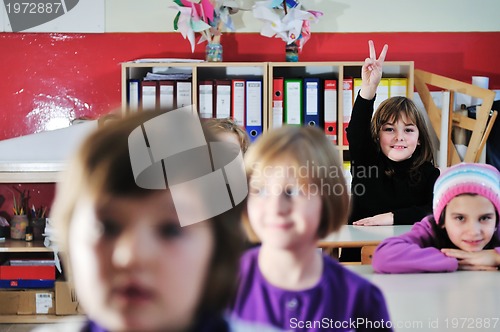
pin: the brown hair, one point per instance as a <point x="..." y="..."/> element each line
<point x="392" y="110"/>
<point x="307" y="148"/>
<point x="102" y="166"/>
<point x="228" y="125"/>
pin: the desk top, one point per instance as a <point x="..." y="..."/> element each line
<point x="457" y="301"/>
<point x="358" y="236"/>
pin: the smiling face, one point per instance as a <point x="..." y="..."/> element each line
<point x="470" y="222"/>
<point x="399" y="139"/>
<point x="134" y="267"/>
<point x="284" y="212"/>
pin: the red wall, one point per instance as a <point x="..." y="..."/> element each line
<point x="48" y="76"/>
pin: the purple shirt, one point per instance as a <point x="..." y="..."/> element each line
<point x="340" y="301"/>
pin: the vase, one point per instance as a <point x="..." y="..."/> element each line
<point x="213" y="52"/>
<point x="38" y="225"/>
<point x="292" y="52"/>
<point x="18" y="225"/>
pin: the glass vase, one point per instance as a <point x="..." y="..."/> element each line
<point x="18" y="225"/>
<point x="292" y="52"/>
<point x="213" y="52"/>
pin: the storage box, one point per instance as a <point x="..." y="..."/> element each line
<point x="33" y="272"/>
<point x="26" y="302"/>
<point x="66" y="301"/>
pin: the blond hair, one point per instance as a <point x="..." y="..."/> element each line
<point x="227" y="125"/>
<point x="309" y="149"/>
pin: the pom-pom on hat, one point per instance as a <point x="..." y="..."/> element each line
<point x="466" y="178"/>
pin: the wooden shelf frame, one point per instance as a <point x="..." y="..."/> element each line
<point x="480" y="126"/>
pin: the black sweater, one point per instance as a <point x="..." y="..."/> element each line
<point x="407" y="195"/>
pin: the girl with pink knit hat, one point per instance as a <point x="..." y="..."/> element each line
<point x="461" y="234"/>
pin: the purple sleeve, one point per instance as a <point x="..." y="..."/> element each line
<point x="412" y="252"/>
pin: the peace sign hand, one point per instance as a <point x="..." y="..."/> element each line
<point x="371" y="72"/>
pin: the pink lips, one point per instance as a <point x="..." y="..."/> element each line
<point x="398" y="147"/>
<point x="282" y="226"/>
<point x="473" y="243"/>
<point x="133" y="294"/>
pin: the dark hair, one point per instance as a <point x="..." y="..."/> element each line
<point x="102" y="166"/>
<point x="391" y="110"/>
<point x="442" y="240"/>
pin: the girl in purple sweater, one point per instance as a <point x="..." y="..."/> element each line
<point x="298" y="195"/>
<point x="462" y="233"/>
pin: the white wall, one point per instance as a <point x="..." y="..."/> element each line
<point x="339" y="15"/>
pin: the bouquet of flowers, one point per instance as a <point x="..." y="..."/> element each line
<point x="207" y="17"/>
<point x="285" y="19"/>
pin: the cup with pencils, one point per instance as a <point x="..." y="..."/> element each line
<point x="38" y="221"/>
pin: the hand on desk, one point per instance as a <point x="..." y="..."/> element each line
<point x="484" y="260"/>
<point x="377" y="220"/>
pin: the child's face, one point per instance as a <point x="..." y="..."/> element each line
<point x="470" y="222"/>
<point x="283" y="212"/>
<point x="134" y="267"/>
<point x="399" y="140"/>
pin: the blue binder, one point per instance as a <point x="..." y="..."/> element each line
<point x="311" y="109"/>
<point x="254" y="105"/>
<point x="27" y="283"/>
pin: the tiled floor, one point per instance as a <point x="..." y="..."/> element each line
<point x="17" y="327"/>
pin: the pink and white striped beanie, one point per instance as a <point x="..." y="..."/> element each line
<point x="466" y="178"/>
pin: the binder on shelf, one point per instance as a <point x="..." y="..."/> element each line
<point x="398" y="87"/>
<point x="183" y="94"/>
<point x="24" y="272"/>
<point x="253" y="108"/>
<point x="293" y="101"/>
<point x="222" y="99"/>
<point x="134" y="94"/>
<point x="347" y="94"/>
<point x="149" y="95"/>
<point x="382" y="92"/>
<point x="356" y="87"/>
<point x="27" y="283"/>
<point x="277" y="102"/>
<point x="312" y="88"/>
<point x="166" y="94"/>
<point x="238" y="102"/>
<point x="330" y="109"/>
<point x="206" y="99"/>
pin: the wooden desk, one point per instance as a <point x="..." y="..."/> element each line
<point x="350" y="236"/>
<point x="457" y="301"/>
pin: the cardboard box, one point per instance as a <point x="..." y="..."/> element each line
<point x="66" y="301"/>
<point x="26" y="302"/>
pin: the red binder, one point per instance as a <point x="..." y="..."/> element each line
<point x="330" y="109"/>
<point x="277" y="100"/>
<point x="347" y="90"/>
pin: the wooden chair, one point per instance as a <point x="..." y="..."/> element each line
<point x="480" y="127"/>
<point x="367" y="254"/>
